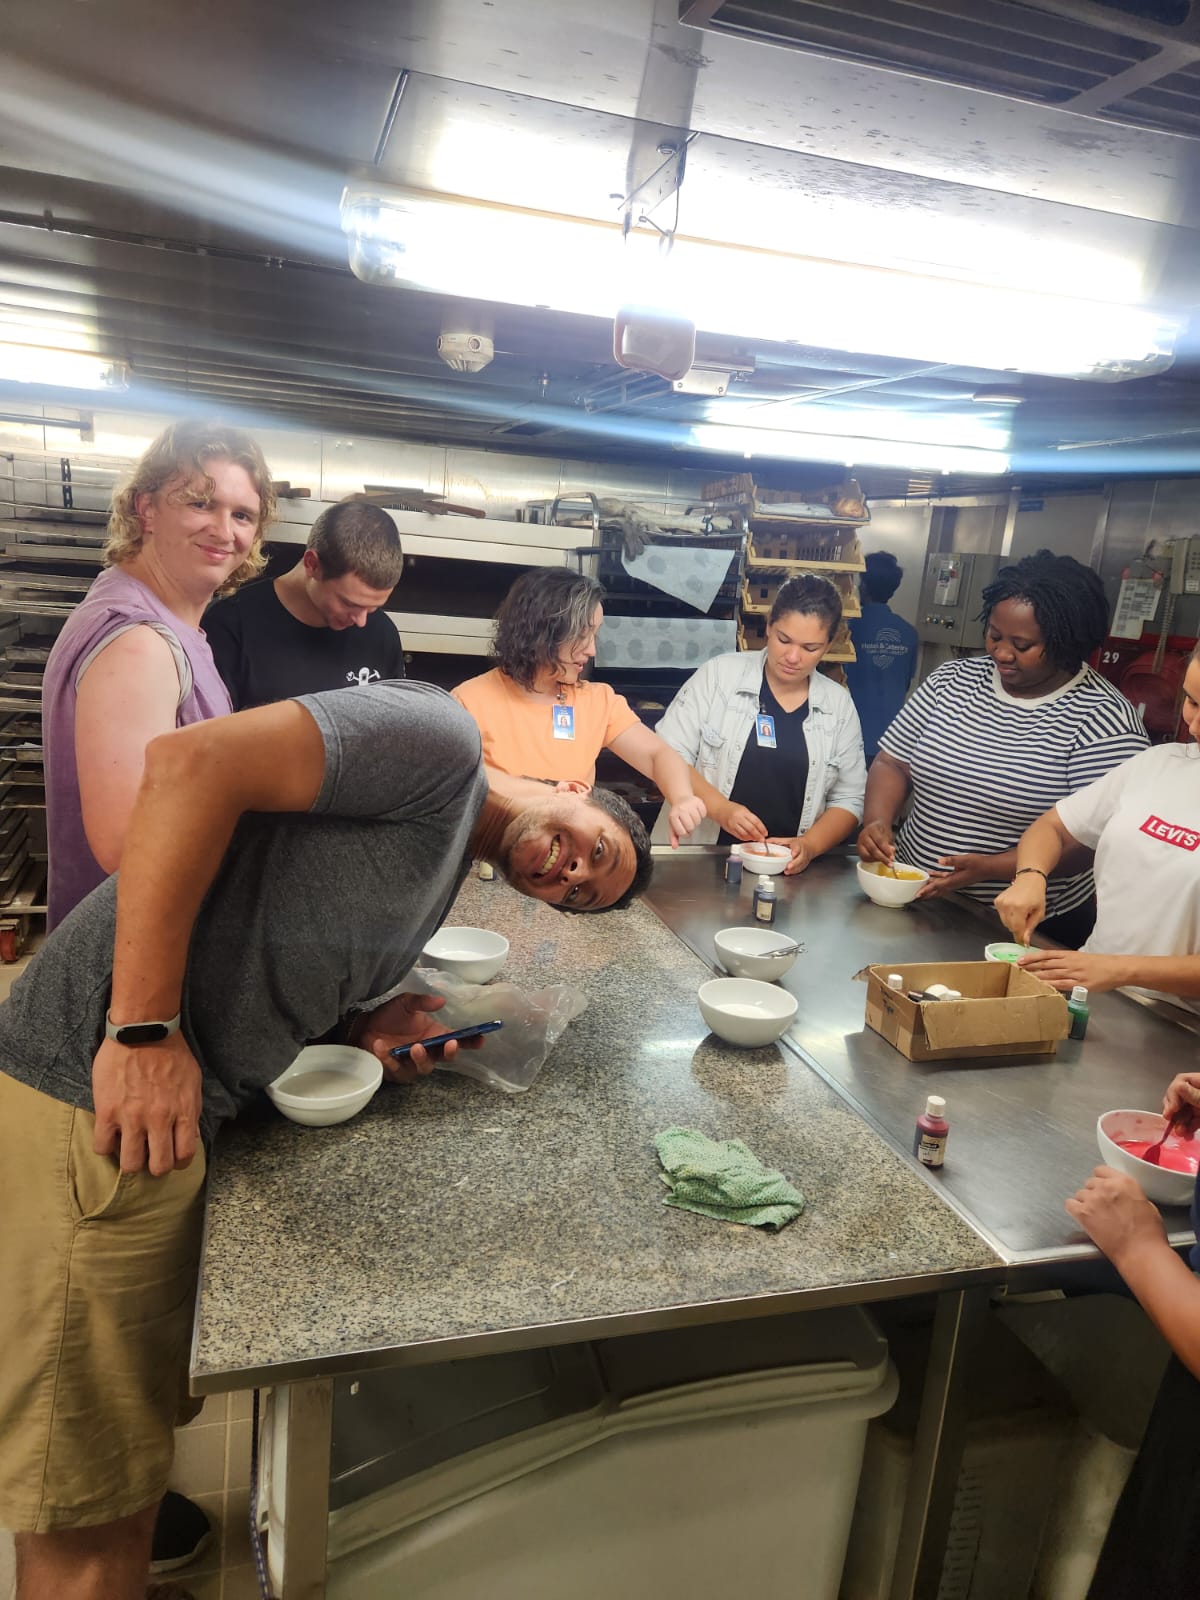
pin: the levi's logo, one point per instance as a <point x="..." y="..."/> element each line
<point x="1184" y="838"/>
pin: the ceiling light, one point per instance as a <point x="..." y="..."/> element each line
<point x="61" y="369"/>
<point x="909" y="454"/>
<point x="999" y="394"/>
<point x="475" y="250"/>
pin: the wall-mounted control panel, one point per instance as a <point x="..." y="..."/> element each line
<point x="952" y="598"/>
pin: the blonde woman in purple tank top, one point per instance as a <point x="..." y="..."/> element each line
<point x="132" y="661"/>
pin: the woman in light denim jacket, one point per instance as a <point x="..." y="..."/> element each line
<point x="724" y="719"/>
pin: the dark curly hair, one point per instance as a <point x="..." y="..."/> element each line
<point x="811" y="597"/>
<point x="1068" y="600"/>
<point x="543" y="611"/>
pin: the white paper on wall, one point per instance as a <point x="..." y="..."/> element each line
<point x="1137" y="603"/>
<point x="683" y="642"/>
<point x="693" y="576"/>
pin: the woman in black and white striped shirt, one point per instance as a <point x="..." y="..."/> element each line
<point x="988" y="743"/>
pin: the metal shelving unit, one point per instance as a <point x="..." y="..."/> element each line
<point x="783" y="541"/>
<point x="48" y="558"/>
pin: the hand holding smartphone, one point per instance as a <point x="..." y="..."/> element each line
<point x="475" y="1031"/>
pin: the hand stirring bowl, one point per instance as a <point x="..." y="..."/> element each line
<point x="1175" y="1124"/>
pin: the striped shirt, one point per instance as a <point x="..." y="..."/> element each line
<point x="984" y="764"/>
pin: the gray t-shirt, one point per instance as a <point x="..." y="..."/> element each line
<point x="310" y="916"/>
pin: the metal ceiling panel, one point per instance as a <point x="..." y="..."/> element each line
<point x="1006" y="47"/>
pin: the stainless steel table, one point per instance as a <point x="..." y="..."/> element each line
<point x="1022" y="1131"/>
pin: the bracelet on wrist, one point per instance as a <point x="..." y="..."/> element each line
<point x="1038" y="870"/>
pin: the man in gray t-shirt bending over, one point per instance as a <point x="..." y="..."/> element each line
<point x="285" y="867"/>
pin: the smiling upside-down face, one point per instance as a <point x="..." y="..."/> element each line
<point x="569" y="852"/>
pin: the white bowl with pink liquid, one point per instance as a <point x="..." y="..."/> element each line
<point x="763" y="857"/>
<point x="1166" y="1186"/>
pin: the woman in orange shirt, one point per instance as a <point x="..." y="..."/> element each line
<point x="539" y="719"/>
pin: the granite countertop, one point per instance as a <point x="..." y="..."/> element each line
<point x="450" y="1219"/>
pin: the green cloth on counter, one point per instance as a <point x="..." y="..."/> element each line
<point x="722" y="1178"/>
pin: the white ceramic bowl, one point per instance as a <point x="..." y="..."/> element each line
<point x="886" y="890"/>
<point x="473" y="954"/>
<point x="326" y="1083"/>
<point x="744" y="1010"/>
<point x="764" y="857"/>
<point x="746" y="952"/>
<point x="1160" y="1184"/>
<point x="1004" y="952"/>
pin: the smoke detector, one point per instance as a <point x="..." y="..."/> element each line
<point x="465" y="342"/>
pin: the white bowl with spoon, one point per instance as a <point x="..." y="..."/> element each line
<point x="764" y="857"/>
<point x="755" y="952"/>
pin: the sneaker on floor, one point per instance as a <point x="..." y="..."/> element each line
<point x="181" y="1533"/>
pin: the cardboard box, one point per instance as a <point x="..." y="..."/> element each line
<point x="1004" y="1011"/>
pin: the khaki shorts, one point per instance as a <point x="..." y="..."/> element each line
<point x="97" y="1288"/>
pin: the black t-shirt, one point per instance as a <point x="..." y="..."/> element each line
<point x="771" y="783"/>
<point x="265" y="654"/>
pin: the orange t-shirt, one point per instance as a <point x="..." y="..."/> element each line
<point x="518" y="731"/>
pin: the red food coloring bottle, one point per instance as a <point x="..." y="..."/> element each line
<point x="929" y="1141"/>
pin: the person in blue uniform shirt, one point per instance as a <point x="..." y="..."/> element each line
<point x="886" y="650"/>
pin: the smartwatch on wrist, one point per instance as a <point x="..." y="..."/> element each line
<point x="135" y="1033"/>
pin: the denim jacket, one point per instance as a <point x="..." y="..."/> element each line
<point x="712" y="716"/>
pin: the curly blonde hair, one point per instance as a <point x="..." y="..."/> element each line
<point x="181" y="450"/>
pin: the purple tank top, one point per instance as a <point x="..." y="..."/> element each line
<point x="115" y="603"/>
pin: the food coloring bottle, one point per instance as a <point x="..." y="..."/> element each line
<point x="1079" y="1011"/>
<point x="764" y="900"/>
<point x="733" y="868"/>
<point x="929" y="1141"/>
<point x="895" y="981"/>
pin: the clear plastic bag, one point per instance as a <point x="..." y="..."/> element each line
<point x="512" y="1058"/>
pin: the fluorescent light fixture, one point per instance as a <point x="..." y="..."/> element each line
<point x="478" y="251"/>
<point x="60" y="369"/>
<point x="930" y="430"/>
<point x="910" y="455"/>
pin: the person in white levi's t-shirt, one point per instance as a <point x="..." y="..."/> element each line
<point x="1143" y="821"/>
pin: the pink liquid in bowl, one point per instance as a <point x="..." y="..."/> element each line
<point x="1175" y="1155"/>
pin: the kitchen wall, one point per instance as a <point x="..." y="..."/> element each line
<point x="904" y="530"/>
<point x="1064" y="523"/>
<point x="1146" y="511"/>
<point x="331" y="465"/>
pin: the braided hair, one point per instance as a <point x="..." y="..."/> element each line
<point x="1068" y="600"/>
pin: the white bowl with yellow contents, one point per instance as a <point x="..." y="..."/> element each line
<point x="890" y="886"/>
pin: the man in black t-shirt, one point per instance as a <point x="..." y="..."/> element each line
<point x="318" y="626"/>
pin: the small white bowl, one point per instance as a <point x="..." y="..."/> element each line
<point x="326" y="1083"/>
<point x="746" y="952"/>
<point x="745" y="1011"/>
<point x="886" y="890"/>
<point x="1160" y="1184"/>
<point x="473" y="954"/>
<point x="1005" y="952"/>
<point x="764" y="857"/>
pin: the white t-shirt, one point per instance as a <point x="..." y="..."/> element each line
<point x="1143" y="821"/>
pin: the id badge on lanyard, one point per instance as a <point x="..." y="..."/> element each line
<point x="764" y="731"/>
<point x="563" y="723"/>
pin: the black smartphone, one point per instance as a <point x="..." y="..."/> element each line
<point x="402" y="1051"/>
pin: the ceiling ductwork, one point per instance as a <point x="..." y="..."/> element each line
<point x="1130" y="61"/>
